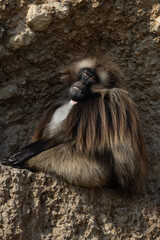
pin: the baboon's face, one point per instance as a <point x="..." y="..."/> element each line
<point x="81" y="90"/>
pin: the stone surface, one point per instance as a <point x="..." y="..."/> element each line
<point x="8" y="92"/>
<point x="22" y="37"/>
<point x="36" y="206"/>
<point x="61" y="10"/>
<point x="157" y="25"/>
<point x="38" y="17"/>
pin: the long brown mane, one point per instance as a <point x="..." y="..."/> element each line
<point x="106" y="125"/>
<point x="104" y="121"/>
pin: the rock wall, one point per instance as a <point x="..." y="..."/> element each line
<point x="37" y="39"/>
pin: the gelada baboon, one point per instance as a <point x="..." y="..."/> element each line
<point x="91" y="136"/>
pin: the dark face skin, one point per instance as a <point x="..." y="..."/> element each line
<point x="81" y="89"/>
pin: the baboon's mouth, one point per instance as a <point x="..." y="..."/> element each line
<point x="77" y="89"/>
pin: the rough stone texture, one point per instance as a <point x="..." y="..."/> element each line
<point x="22" y="37"/>
<point x="32" y="56"/>
<point x="38" y="17"/>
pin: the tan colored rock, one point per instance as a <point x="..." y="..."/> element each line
<point x="157" y="25"/>
<point x="155" y="20"/>
<point x="38" y="17"/>
<point x="22" y="37"/>
<point x="61" y="10"/>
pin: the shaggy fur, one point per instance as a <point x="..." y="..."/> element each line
<point x="100" y="141"/>
<point x="104" y="141"/>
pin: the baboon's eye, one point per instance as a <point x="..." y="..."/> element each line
<point x="90" y="74"/>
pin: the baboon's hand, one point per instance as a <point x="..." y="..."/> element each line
<point x="17" y="160"/>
